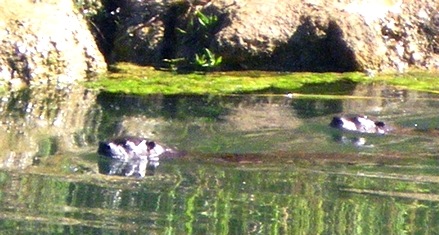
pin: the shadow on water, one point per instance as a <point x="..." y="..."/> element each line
<point x="256" y="164"/>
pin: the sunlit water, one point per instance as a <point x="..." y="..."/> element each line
<point x="255" y="164"/>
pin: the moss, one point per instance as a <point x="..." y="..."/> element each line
<point x="131" y="79"/>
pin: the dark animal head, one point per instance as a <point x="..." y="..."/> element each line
<point x="150" y="145"/>
<point x="380" y="124"/>
<point x="104" y="149"/>
<point x="336" y="122"/>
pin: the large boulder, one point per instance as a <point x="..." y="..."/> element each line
<point x="45" y="42"/>
<point x="327" y="35"/>
<point x="293" y="35"/>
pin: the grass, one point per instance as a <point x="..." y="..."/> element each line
<point x="132" y="79"/>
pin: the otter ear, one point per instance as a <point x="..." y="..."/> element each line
<point x="379" y="124"/>
<point x="151" y="145"/>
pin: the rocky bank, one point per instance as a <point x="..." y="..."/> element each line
<point x="291" y="35"/>
<point x="49" y="42"/>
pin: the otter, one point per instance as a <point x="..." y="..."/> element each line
<point x="128" y="148"/>
<point x="132" y="156"/>
<point x="360" y="124"/>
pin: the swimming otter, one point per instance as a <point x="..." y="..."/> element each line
<point x="128" y="148"/>
<point x="132" y="156"/>
<point x="359" y="124"/>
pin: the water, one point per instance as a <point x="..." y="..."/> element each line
<point x="255" y="164"/>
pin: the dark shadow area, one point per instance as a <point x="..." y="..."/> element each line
<point x="121" y="23"/>
<point x="431" y="31"/>
<point x="316" y="50"/>
<point x="180" y="107"/>
<point x="168" y="45"/>
<point x="170" y="107"/>
<point x="104" y="26"/>
<point x="308" y="108"/>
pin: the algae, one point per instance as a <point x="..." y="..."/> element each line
<point x="131" y="79"/>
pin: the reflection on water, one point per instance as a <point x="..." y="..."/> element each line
<point x="256" y="165"/>
<point x="38" y="123"/>
<point x="137" y="167"/>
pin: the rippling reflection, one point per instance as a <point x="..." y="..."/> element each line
<point x="40" y="122"/>
<point x="256" y="164"/>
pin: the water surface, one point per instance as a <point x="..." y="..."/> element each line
<point x="255" y="164"/>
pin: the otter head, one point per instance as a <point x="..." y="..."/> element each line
<point x="336" y="122"/>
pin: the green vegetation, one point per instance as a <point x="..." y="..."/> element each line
<point x="207" y="60"/>
<point x="195" y="38"/>
<point x="89" y="8"/>
<point x="131" y="79"/>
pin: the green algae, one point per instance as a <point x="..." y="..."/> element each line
<point x="131" y="79"/>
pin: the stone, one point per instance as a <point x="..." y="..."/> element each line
<point x="46" y="42"/>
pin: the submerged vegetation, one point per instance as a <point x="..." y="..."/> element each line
<point x="131" y="79"/>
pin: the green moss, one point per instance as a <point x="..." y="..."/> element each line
<point x="131" y="79"/>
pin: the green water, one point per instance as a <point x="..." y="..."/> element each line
<point x="255" y="164"/>
<point x="189" y="198"/>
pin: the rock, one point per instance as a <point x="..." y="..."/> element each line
<point x="46" y="42"/>
<point x="140" y="35"/>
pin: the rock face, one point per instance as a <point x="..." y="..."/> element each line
<point x="45" y="42"/>
<point x="294" y="35"/>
